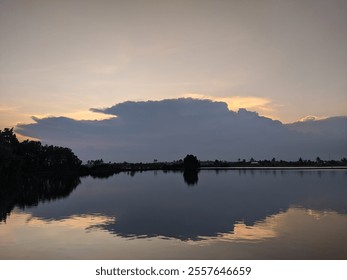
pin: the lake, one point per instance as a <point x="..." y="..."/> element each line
<point x="226" y="214"/>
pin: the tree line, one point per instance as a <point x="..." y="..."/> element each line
<point x="32" y="157"/>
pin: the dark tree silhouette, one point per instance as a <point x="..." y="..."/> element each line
<point x="191" y="162"/>
<point x="32" y="156"/>
<point x="9" y="161"/>
<point x="7" y="137"/>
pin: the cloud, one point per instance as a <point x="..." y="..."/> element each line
<point x="264" y="106"/>
<point x="334" y="127"/>
<point x="311" y="118"/>
<point x="169" y="129"/>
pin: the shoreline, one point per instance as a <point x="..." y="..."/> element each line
<point x="277" y="168"/>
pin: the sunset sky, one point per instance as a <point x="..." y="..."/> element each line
<point x="284" y="59"/>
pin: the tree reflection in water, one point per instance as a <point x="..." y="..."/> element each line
<point x="191" y="177"/>
<point x="30" y="191"/>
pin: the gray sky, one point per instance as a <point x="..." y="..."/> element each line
<point x="284" y="59"/>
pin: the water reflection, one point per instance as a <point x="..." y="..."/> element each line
<point x="295" y="234"/>
<point x="191" y="177"/>
<point x="30" y="191"/>
<point x="145" y="205"/>
<point x="228" y="206"/>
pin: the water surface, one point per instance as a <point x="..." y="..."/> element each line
<point x="230" y="214"/>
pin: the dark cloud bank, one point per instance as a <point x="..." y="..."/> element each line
<point x="169" y="129"/>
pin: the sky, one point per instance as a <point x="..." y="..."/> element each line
<point x="285" y="60"/>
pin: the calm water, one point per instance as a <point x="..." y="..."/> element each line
<point x="155" y="215"/>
